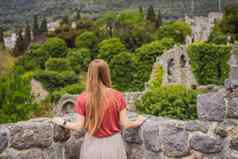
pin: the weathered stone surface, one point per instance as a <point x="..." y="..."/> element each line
<point x="211" y="106"/>
<point x="234" y="142"/>
<point x="3" y="138"/>
<point x="132" y="136"/>
<point x="174" y="141"/>
<point x="153" y="155"/>
<point x="26" y="154"/>
<point x="196" y="126"/>
<point x="134" y="151"/>
<point x="225" y="128"/>
<point x="72" y="148"/>
<point x="55" y="151"/>
<point x="206" y="144"/>
<point x="151" y="136"/>
<point x="61" y="134"/>
<point x="232" y="110"/>
<point x="26" y="135"/>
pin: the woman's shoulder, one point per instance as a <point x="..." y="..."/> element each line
<point x="116" y="92"/>
<point x="81" y="96"/>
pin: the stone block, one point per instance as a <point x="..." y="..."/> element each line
<point x="196" y="126"/>
<point x="151" y="136"/>
<point x="61" y="134"/>
<point x="72" y="148"/>
<point x="25" y="135"/>
<point x="174" y="141"/>
<point x="232" y="110"/>
<point x="211" y="106"/>
<point x="206" y="144"/>
<point x="3" y="139"/>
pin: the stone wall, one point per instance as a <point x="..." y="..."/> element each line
<point x="212" y="136"/>
<point x="18" y="11"/>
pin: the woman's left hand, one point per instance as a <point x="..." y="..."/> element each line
<point x="58" y="121"/>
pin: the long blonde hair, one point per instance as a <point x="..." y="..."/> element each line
<point x="98" y="80"/>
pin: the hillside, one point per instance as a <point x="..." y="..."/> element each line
<point x="20" y="11"/>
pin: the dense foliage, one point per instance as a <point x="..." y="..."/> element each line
<point x="177" y="30"/>
<point x="172" y="101"/>
<point x="16" y="102"/>
<point x="209" y="62"/>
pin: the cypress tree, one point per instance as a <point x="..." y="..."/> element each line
<point x="1" y="37"/>
<point x="151" y="14"/>
<point x="36" y="29"/>
<point x="43" y="26"/>
<point x="19" y="45"/>
<point x="78" y="15"/>
<point x="158" y="21"/>
<point x="27" y="35"/>
<point x="141" y="10"/>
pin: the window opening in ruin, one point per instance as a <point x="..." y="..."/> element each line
<point x="183" y="61"/>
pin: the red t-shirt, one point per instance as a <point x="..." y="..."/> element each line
<point x="110" y="121"/>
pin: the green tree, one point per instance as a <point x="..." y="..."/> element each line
<point x="177" y="30"/>
<point x="55" y="47"/>
<point x="19" y="48"/>
<point x="86" y="39"/>
<point x="57" y="64"/>
<point x="229" y="23"/>
<point x="79" y="59"/>
<point x="43" y="26"/>
<point x="141" y="10"/>
<point x="1" y="37"/>
<point x="108" y="22"/>
<point x="123" y="69"/>
<point x="109" y="48"/>
<point x="36" y="28"/>
<point x="27" y="35"/>
<point x="16" y="101"/>
<point x="151" y="16"/>
<point x="158" y="21"/>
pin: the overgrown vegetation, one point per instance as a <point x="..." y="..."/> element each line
<point x="209" y="62"/>
<point x="130" y="41"/>
<point x="174" y="101"/>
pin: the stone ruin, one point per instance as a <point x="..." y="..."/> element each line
<point x="214" y="135"/>
<point x="202" y="26"/>
<point x="176" y="67"/>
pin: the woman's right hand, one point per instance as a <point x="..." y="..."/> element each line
<point x="140" y="120"/>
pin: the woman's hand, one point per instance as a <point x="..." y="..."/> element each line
<point x="140" y="120"/>
<point x="58" y="121"/>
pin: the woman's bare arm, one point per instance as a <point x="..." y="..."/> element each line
<point x="126" y="123"/>
<point x="76" y="125"/>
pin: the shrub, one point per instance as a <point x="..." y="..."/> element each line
<point x="123" y="69"/>
<point x="209" y="62"/>
<point x="172" y="101"/>
<point x="52" y="80"/>
<point x="79" y="59"/>
<point x="177" y="30"/>
<point x="217" y="37"/>
<point x="55" y="47"/>
<point x="70" y="89"/>
<point x="33" y="59"/>
<point x="57" y="64"/>
<point x="86" y="40"/>
<point x="16" y="102"/>
<point x="157" y="81"/>
<point x="148" y="53"/>
<point x="229" y="23"/>
<point x="109" y="48"/>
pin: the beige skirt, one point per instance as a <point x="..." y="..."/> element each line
<point x="111" y="147"/>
